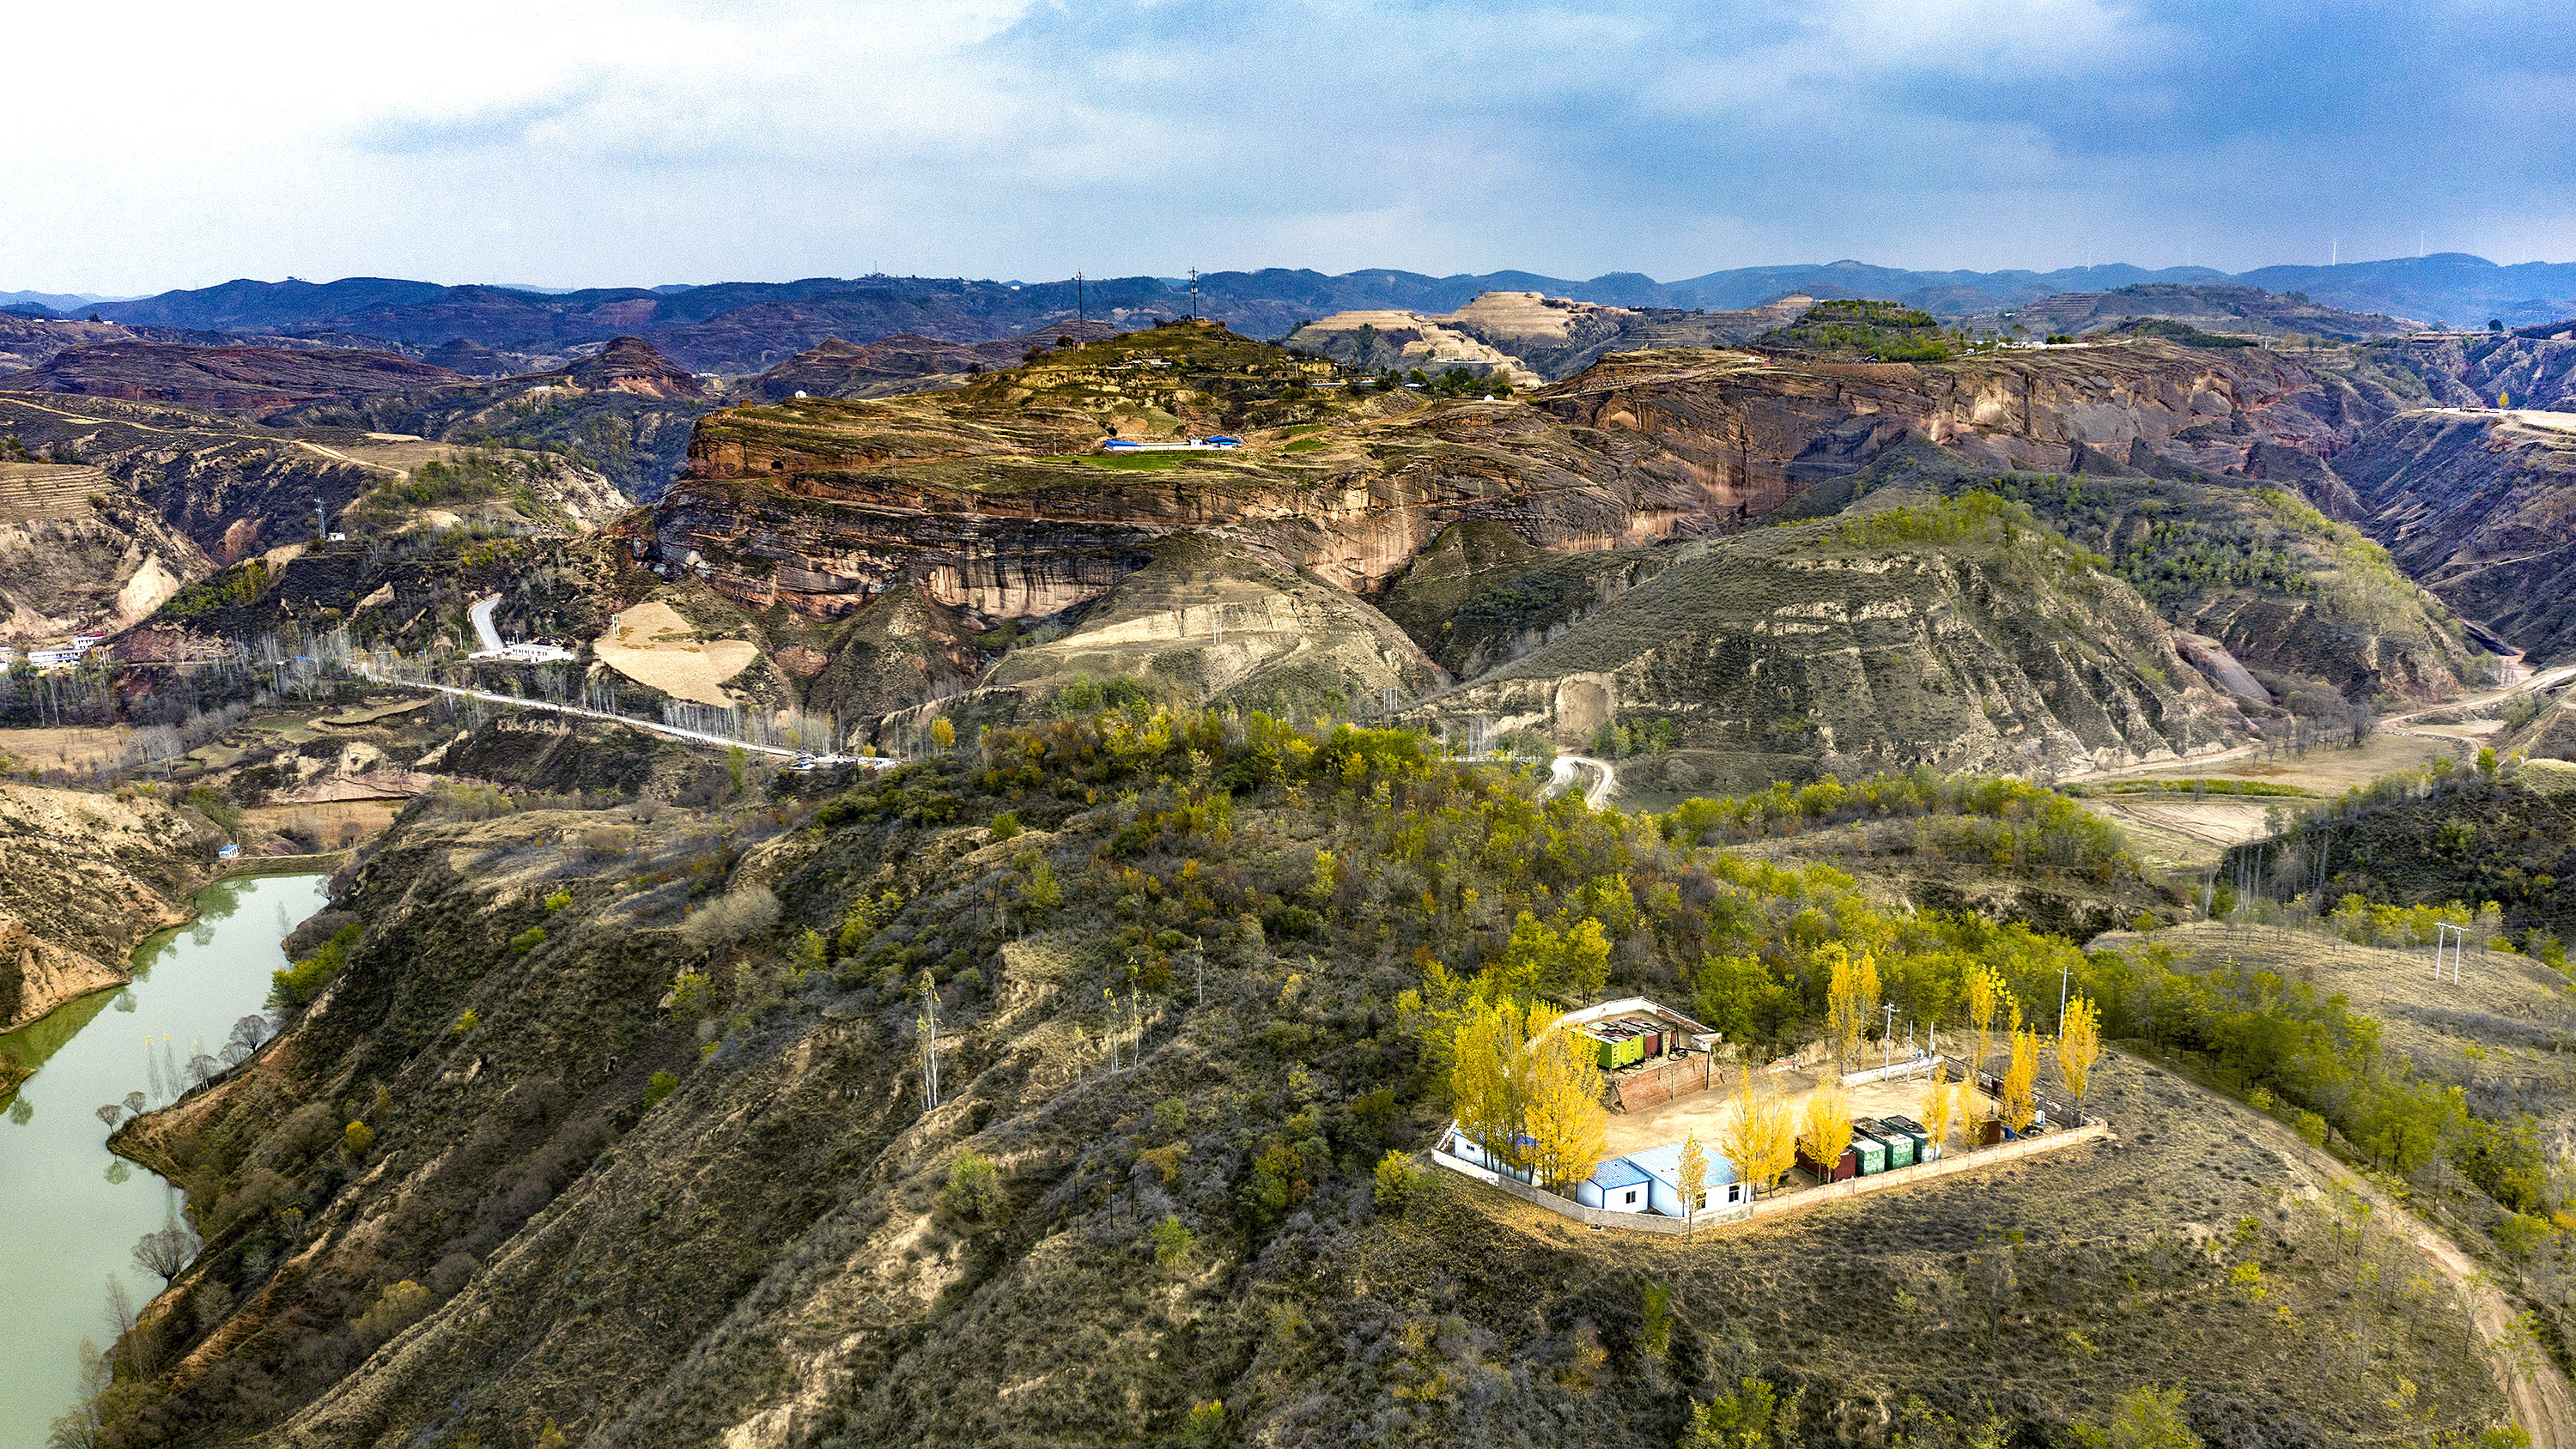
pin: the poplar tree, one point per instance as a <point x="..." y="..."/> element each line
<point x="1762" y="1142"/>
<point x="1490" y="1082"/>
<point x="1851" y="1000"/>
<point x="1694" y="1183"/>
<point x="1568" y="1129"/>
<point x="1828" y="1131"/>
<point x="1984" y="992"/>
<point x="2021" y="1080"/>
<point x="2079" y="1045"/>
<point x="1938" y="1100"/>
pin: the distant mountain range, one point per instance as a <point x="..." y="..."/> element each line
<point x="741" y="327"/>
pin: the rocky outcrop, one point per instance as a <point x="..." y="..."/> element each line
<point x="2481" y="507"/>
<point x="82" y="878"/>
<point x="1767" y="430"/>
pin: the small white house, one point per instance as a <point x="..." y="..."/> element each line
<point x="1468" y="1149"/>
<point x="1663" y="1166"/>
<point x="1617" y="1186"/>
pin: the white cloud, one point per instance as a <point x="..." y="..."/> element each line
<point x="591" y="143"/>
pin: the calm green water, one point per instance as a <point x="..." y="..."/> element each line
<point x="69" y="1211"/>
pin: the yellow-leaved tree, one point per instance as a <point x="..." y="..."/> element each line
<point x="1567" y="1125"/>
<point x="1762" y="1141"/>
<point x="1984" y="993"/>
<point x="1693" y="1177"/>
<point x="1491" y="1081"/>
<point x="1938" y="1100"/>
<point x="2021" y="1080"/>
<point x="2079" y="1045"/>
<point x="1851" y="999"/>
<point x="943" y="735"/>
<point x="1829" y="1124"/>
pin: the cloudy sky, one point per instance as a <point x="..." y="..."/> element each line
<point x="634" y="144"/>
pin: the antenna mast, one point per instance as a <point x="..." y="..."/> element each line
<point x="1194" y="294"/>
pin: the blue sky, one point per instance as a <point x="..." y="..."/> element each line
<point x="577" y="144"/>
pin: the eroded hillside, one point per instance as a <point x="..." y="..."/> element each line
<point x="647" y="1156"/>
<point x="2481" y="506"/>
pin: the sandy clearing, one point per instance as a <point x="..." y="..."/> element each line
<point x="1712" y="1113"/>
<point x="652" y="645"/>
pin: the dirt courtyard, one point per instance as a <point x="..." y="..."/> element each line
<point x="1712" y="1113"/>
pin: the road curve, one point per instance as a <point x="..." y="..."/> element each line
<point x="481" y="614"/>
<point x="1561" y="774"/>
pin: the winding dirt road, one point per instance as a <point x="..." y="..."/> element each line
<point x="2543" y="1403"/>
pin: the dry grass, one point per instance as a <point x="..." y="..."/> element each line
<point x="73" y="748"/>
<point x="652" y="645"/>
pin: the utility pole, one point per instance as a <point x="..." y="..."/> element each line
<point x="321" y="521"/>
<point x="1194" y="294"/>
<point x="2062" y="970"/>
<point x="1080" y="314"/>
<point x="1887" y="1040"/>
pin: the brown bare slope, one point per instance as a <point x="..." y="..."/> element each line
<point x="252" y="380"/>
<point x="2481" y="506"/>
<point x="82" y="878"/>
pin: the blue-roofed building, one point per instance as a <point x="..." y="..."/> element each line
<point x="1663" y="1166"/>
<point x="1617" y="1186"/>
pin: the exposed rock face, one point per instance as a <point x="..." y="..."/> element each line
<point x="1525" y="335"/>
<point x="1205" y="622"/>
<point x="629" y="364"/>
<point x="82" y="878"/>
<point x="252" y="380"/>
<point x="1869" y="652"/>
<point x="2481" y="506"/>
<point x="1767" y="430"/>
<point x="79" y="553"/>
<point x="2534" y="367"/>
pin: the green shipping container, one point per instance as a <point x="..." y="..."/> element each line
<point x="1871" y="1152"/>
<point x="1900" y="1147"/>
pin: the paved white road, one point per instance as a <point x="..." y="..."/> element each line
<point x="672" y="731"/>
<point x="1561" y="774"/>
<point x="481" y="614"/>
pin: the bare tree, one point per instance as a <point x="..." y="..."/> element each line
<point x="166" y="1250"/>
<point x="2361" y="720"/>
<point x="112" y="1114"/>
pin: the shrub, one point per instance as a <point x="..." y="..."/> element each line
<point x="1206" y="1426"/>
<point x="1172" y="1241"/>
<point x="528" y="940"/>
<point x="1171" y="1114"/>
<point x="296" y="985"/>
<point x="401" y="1306"/>
<point x="974" y="1189"/>
<point x="1399" y="1181"/>
<point x="736" y="916"/>
<point x="359" y="1136"/>
<point x="659" y="1088"/>
<point x="1006" y="826"/>
<point x="465" y="1023"/>
<point x="689" y="996"/>
<point x="558" y="901"/>
<point x="1655" y="1332"/>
